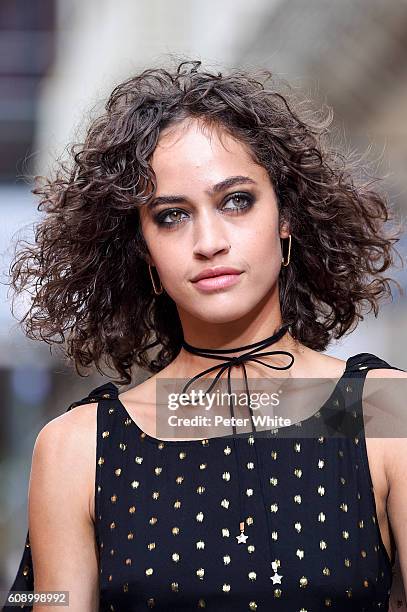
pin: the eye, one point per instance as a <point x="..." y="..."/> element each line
<point x="243" y="200"/>
<point x="167" y="213"/>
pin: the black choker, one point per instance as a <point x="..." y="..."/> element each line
<point x="229" y="362"/>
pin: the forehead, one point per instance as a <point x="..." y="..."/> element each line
<point x="193" y="150"/>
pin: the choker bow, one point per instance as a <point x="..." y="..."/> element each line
<point x="229" y="362"/>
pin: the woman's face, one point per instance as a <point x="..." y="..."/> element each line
<point x="214" y="206"/>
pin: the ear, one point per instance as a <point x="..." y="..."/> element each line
<point x="284" y="229"/>
<point x="147" y="259"/>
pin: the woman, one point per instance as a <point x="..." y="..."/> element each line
<point x="187" y="176"/>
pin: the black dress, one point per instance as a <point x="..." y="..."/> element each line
<point x="167" y="514"/>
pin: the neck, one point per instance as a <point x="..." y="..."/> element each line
<point x="188" y="364"/>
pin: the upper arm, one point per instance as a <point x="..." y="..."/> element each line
<point x="395" y="462"/>
<point x="63" y="545"/>
<point x="397" y="501"/>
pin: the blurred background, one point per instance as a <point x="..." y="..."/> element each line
<point x="59" y="59"/>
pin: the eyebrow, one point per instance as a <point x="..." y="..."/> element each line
<point x="231" y="181"/>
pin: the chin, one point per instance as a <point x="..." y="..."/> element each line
<point x="222" y="313"/>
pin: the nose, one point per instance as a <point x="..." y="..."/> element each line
<point x="210" y="237"/>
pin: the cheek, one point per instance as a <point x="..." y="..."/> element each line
<point x="264" y="241"/>
<point x="264" y="256"/>
<point x="172" y="263"/>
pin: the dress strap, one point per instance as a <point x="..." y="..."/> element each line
<point x="348" y="421"/>
<point x="360" y="364"/>
<point x="105" y="391"/>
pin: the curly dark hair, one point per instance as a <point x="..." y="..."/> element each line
<point x="88" y="264"/>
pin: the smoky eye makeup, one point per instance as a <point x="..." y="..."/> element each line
<point x="233" y="204"/>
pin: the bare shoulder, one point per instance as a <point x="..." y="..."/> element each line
<point x="70" y="435"/>
<point x="385" y="373"/>
<point x="79" y="419"/>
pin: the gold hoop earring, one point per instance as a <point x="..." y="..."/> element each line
<point x="157" y="292"/>
<point x="285" y="263"/>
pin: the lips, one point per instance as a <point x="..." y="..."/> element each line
<point x="218" y="271"/>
